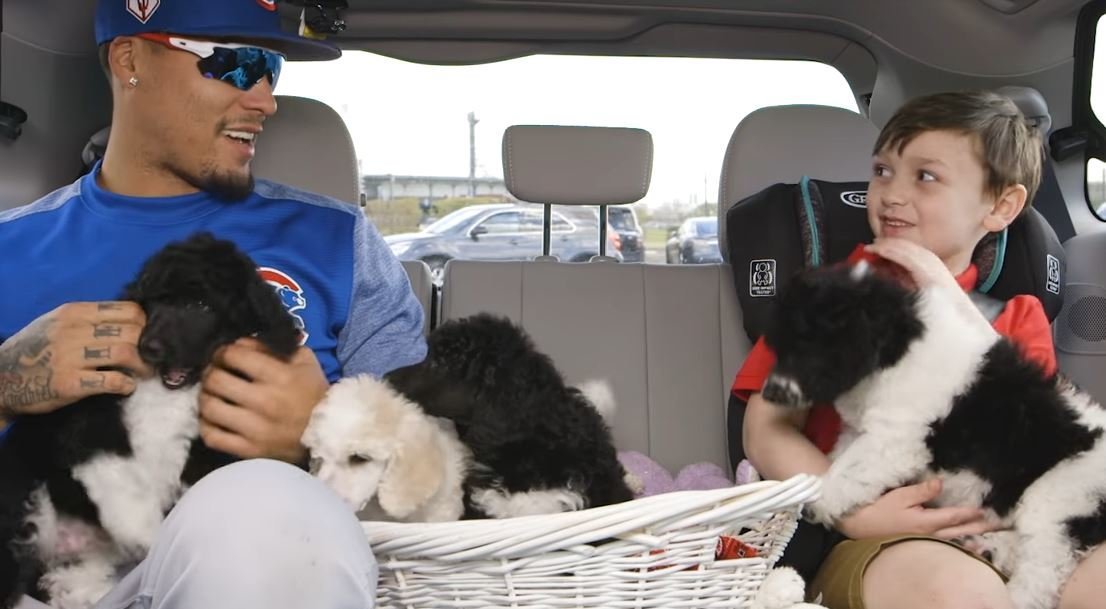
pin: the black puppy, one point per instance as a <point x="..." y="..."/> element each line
<point x="84" y="489"/>
<point x="538" y="445"/>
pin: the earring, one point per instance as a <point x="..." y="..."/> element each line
<point x="133" y="81"/>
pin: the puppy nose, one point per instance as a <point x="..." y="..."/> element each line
<point x="151" y="349"/>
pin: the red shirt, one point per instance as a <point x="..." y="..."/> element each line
<point x="1023" y="321"/>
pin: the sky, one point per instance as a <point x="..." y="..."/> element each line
<point x="412" y="119"/>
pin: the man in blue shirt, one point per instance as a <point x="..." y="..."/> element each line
<point x="192" y="84"/>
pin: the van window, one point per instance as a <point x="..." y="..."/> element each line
<point x="1096" y="168"/>
<point x="414" y="126"/>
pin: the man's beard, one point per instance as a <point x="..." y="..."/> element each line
<point x="222" y="185"/>
<point x="227" y="187"/>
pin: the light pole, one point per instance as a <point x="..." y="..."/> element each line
<point x="472" y="153"/>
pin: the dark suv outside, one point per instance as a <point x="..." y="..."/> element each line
<point x="624" y="221"/>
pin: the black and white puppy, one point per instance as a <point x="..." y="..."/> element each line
<point x="927" y="388"/>
<point x="84" y="489"/>
<point x="538" y="446"/>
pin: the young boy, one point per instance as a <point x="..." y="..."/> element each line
<point x="948" y="169"/>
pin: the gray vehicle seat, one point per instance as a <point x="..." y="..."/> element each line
<point x="781" y="144"/>
<point x="1049" y="200"/>
<point x="306" y="144"/>
<point x="784" y="143"/>
<point x="668" y="339"/>
<point x="1080" y="329"/>
<point x="1029" y="261"/>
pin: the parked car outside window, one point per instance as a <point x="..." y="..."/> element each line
<point x="502" y="231"/>
<point x="694" y="242"/>
<point x="624" y="221"/>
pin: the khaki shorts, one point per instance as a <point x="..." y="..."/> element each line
<point x="840" y="579"/>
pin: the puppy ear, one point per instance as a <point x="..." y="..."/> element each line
<point x="415" y="471"/>
<point x="277" y="331"/>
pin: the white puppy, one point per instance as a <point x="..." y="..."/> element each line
<point x="384" y="455"/>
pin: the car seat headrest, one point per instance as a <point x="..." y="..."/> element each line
<point x="561" y="165"/>
<point x="780" y="144"/>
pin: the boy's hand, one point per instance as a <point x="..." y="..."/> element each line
<point x="923" y="265"/>
<point x="902" y="512"/>
<point x="264" y="414"/>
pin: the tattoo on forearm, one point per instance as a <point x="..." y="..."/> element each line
<point x="106" y="331"/>
<point x="101" y="353"/>
<point x="26" y="371"/>
<point x="108" y="306"/>
<point x="18" y="391"/>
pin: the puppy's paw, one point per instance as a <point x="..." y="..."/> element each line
<point x="78" y="586"/>
<point x="997" y="547"/>
<point x="634" y="483"/>
<point x="783" y="588"/>
<point x="833" y="503"/>
<point x="818" y="512"/>
<point x="134" y="535"/>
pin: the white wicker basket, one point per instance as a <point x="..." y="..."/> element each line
<point x="652" y="552"/>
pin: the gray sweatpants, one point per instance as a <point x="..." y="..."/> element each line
<point x="256" y="534"/>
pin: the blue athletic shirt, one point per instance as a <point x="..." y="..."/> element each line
<point x="328" y="263"/>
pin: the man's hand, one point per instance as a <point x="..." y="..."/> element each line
<point x="71" y="353"/>
<point x="264" y="414"/>
<point x="902" y="512"/>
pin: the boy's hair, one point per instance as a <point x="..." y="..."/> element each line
<point x="1010" y="146"/>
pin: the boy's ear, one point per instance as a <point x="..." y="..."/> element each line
<point x="1006" y="208"/>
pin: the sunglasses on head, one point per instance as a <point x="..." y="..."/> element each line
<point x="240" y="65"/>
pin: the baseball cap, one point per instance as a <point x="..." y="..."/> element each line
<point x="252" y="20"/>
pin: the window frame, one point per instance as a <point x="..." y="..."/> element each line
<point x="498" y="212"/>
<point x="1084" y="118"/>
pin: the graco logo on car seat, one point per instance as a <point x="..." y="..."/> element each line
<point x="762" y="278"/>
<point x="855" y="198"/>
<point x="1052" y="283"/>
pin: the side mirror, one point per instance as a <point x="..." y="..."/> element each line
<point x="477" y="231"/>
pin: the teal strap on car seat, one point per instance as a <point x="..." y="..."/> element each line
<point x="808" y="208"/>
<point x="996" y="269"/>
